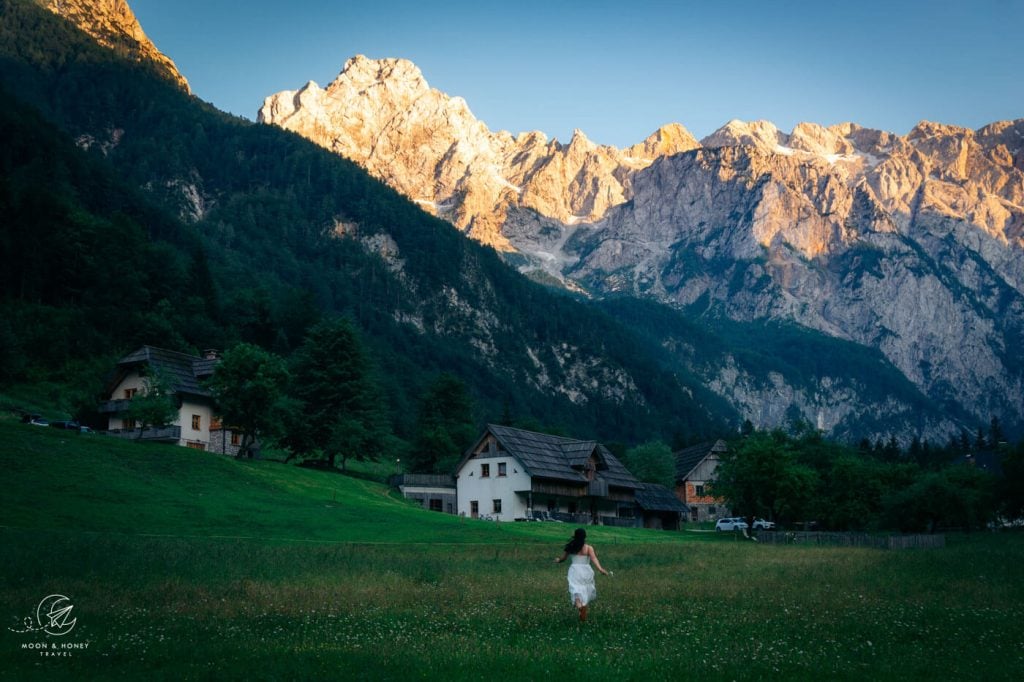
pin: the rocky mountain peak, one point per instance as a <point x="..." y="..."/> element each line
<point x="816" y="139"/>
<point x="927" y="129"/>
<point x="761" y="134"/>
<point x="382" y="114"/>
<point x="665" y="141"/>
<point x="361" y="72"/>
<point x="910" y="244"/>
<point x="112" y="23"/>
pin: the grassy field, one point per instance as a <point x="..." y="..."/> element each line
<point x="183" y="565"/>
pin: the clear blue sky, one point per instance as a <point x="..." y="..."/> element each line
<point x="619" y="70"/>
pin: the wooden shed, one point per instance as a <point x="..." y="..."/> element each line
<point x="659" y="507"/>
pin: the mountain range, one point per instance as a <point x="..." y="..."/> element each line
<point x="702" y="283"/>
<point x="136" y="213"/>
<point x="911" y="245"/>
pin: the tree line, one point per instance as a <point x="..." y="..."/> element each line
<point x="323" y="403"/>
<point x="807" y="479"/>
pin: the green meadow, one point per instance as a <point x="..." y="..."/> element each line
<point x="186" y="565"/>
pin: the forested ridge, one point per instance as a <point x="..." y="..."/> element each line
<point x="139" y="214"/>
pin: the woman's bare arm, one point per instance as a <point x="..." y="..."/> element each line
<point x="593" y="557"/>
<point x="560" y="559"/>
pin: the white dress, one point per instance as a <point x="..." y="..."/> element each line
<point x="581" y="580"/>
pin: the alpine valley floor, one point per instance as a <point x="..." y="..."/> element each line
<point x="182" y="565"/>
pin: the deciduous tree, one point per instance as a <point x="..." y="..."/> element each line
<point x="155" y="405"/>
<point x="761" y="476"/>
<point x="651" y="462"/>
<point x="248" y="386"/>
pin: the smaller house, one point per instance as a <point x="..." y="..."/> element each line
<point x="196" y="425"/>
<point x="659" y="508"/>
<point x="695" y="469"/>
<point x="435" y="492"/>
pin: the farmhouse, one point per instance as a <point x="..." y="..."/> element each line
<point x="695" y="469"/>
<point x="511" y="473"/>
<point x="195" y="426"/>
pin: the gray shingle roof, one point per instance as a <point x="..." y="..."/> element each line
<point x="654" y="497"/>
<point x="687" y="459"/>
<point x="183" y="371"/>
<point x="561" y="458"/>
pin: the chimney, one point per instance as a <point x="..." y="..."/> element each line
<point x="211" y="354"/>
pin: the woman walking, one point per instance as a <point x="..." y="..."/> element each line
<point x="582" y="589"/>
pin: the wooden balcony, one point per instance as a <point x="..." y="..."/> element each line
<point x="422" y="480"/>
<point x="113" y="406"/>
<point x="163" y="433"/>
<point x="559" y="489"/>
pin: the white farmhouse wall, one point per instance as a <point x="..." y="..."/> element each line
<point x="133" y="380"/>
<point x="188" y="434"/>
<point x="485" y="489"/>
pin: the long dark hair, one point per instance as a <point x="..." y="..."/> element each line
<point x="579" y="538"/>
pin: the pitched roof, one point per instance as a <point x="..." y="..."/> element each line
<point x="687" y="459"/>
<point x="183" y="371"/>
<point x="654" y="497"/>
<point x="561" y="458"/>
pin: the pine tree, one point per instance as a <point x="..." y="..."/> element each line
<point x="339" y="407"/>
<point x="444" y="427"/>
<point x="965" y="442"/>
<point x="916" y="452"/>
<point x="892" y="451"/>
<point x="995" y="433"/>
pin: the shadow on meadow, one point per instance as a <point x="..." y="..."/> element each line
<point x="182" y="608"/>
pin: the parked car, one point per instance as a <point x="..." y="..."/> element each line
<point x="730" y="524"/>
<point x="39" y="421"/>
<point x="69" y="425"/>
<point x="761" y="524"/>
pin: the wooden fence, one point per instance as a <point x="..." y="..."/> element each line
<point x="782" y="537"/>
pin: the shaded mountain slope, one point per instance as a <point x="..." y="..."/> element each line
<point x="290" y="231"/>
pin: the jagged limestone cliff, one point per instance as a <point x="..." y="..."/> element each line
<point x="912" y="244"/>
<point x="113" y="24"/>
<point x="429" y="146"/>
